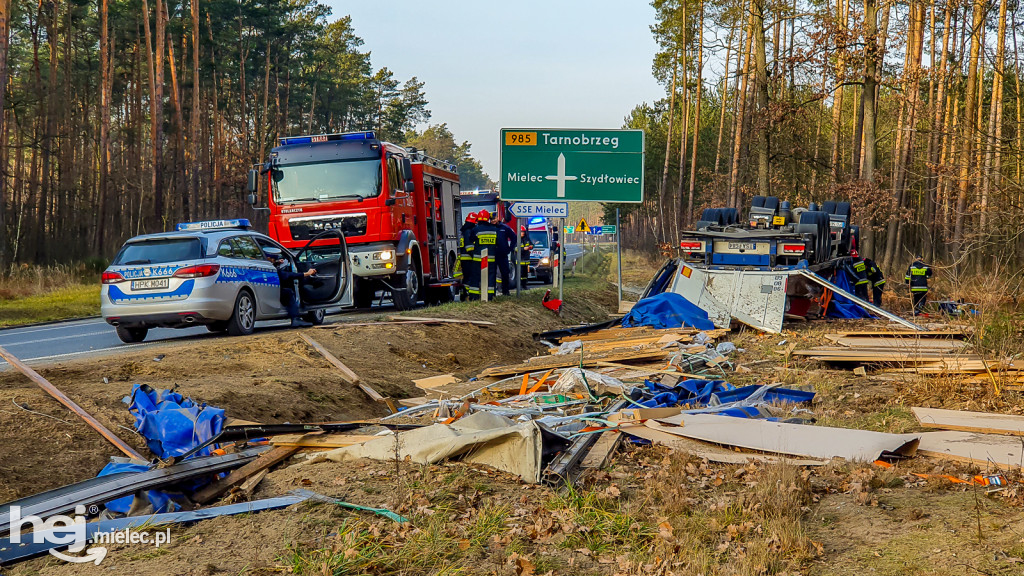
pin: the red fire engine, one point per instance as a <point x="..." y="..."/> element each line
<point x="398" y="209"/>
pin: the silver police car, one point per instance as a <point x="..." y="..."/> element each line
<point x="215" y="273"/>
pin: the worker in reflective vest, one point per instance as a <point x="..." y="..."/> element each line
<point x="917" y="276"/>
<point x="483" y="237"/>
<point x="877" y="280"/>
<point x="464" y="271"/>
<point x="524" y="254"/>
<point x="860" y="276"/>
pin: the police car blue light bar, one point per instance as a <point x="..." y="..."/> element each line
<point x="214" y="224"/>
<point x="290" y="140"/>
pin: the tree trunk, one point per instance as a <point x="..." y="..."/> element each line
<point x="696" y="121"/>
<point x="870" y="82"/>
<point x="194" y="116"/>
<point x="735" y="197"/>
<point x="723" y="98"/>
<point x="970" y="124"/>
<point x="5" y="8"/>
<point x="662" y="233"/>
<point x="994" y="118"/>
<point x="763" y="121"/>
<point x="843" y="10"/>
<point x="104" y="126"/>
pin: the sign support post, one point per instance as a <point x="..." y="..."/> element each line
<point x="561" y="251"/>
<point x="485" y="276"/>
<point x="517" y="260"/>
<point x="618" y="251"/>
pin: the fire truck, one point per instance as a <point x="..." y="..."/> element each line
<point x="398" y="209"/>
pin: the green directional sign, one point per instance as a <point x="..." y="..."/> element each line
<point x="576" y="165"/>
<point x="608" y="229"/>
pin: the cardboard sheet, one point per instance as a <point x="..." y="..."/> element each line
<point x="480" y="438"/>
<point x="985" y="450"/>
<point x="792" y="439"/>
<point x="711" y="452"/>
<point x="984" y="422"/>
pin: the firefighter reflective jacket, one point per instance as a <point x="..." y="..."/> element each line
<point x="875" y="274"/>
<point x="859" y="271"/>
<point x="917" y="276"/>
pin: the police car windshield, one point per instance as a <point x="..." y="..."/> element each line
<point x="539" y="239"/>
<point x="159" y="251"/>
<point x="323" y="181"/>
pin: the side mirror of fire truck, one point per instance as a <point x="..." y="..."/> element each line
<point x="410" y="186"/>
<point x="253" y="184"/>
<point x="407" y="170"/>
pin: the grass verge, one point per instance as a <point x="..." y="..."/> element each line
<point x="73" y="301"/>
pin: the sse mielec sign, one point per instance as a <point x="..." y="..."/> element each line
<point x="577" y="165"/>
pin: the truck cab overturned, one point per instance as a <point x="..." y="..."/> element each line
<point x="397" y="208"/>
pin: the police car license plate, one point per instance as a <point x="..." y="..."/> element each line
<point x="150" y="284"/>
<point x="742" y="245"/>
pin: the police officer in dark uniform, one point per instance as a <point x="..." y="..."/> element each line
<point x="877" y="280"/>
<point x="506" y="247"/>
<point x="860" y="276"/>
<point x="917" y="276"/>
<point x="484" y="237"/>
<point x="465" y="272"/>
<point x="289" y="283"/>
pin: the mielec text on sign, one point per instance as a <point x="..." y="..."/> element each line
<point x="580" y="165"/>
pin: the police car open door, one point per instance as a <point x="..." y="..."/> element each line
<point x="326" y="252"/>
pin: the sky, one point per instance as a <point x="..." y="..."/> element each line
<point x="491" y="64"/>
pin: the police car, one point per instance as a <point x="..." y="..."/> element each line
<point x="215" y="274"/>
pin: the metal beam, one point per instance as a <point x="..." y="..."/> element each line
<point x="862" y="303"/>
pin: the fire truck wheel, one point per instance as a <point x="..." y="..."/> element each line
<point x="406" y="299"/>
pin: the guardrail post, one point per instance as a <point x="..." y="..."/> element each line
<point x="484" y="276"/>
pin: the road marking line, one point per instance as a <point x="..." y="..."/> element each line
<point x="25" y="343"/>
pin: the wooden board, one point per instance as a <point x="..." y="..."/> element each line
<point x="602" y="451"/>
<point x="435" y="381"/>
<point x="984" y="422"/>
<point x="548" y="362"/>
<point x="237" y="477"/>
<point x="346" y="373"/>
<point x="655" y="340"/>
<point x="985" y="450"/>
<point x="439" y="320"/>
<point x="902" y="333"/>
<point x="901" y="344"/>
<point x="322" y="441"/>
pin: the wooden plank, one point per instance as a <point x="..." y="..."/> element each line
<point x="439" y="320"/>
<point x="548" y="362"/>
<point x="901" y="333"/>
<point x="70" y="404"/>
<point x="648" y="370"/>
<point x="237" y="477"/>
<point x="347" y="373"/>
<point x="611" y="344"/>
<point x="320" y="440"/>
<point x="985" y="450"/>
<point x="602" y="451"/>
<point x="435" y="381"/>
<point x="983" y="422"/>
<point x="901" y="343"/>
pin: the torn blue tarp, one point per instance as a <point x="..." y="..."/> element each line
<point x="719" y="397"/>
<point x="160" y="500"/>
<point x="841" y="306"/>
<point x="667" y="310"/>
<point x="693" y="392"/>
<point x="172" y="424"/>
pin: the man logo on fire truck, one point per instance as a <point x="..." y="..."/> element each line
<point x="398" y="209"/>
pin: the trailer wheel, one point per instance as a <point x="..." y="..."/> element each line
<point x="829" y="207"/>
<point x="843" y="209"/>
<point x="757" y="202"/>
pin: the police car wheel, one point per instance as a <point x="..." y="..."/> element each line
<point x="132" y="335"/>
<point x="316" y="317"/>
<point x="243" y="319"/>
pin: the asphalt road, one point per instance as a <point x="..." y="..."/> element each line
<point x="78" y="338"/>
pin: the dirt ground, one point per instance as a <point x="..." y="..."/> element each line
<point x="650" y="512"/>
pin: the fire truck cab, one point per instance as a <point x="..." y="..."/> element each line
<point x="398" y="209"/>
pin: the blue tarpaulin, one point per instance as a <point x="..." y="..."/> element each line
<point x="842" y="307"/>
<point x="667" y="310"/>
<point x="172" y="425"/>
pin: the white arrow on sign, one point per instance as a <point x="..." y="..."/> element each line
<point x="545" y="209"/>
<point x="560" y="178"/>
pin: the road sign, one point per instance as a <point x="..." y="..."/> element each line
<point x="582" y="226"/>
<point x="545" y="209"/>
<point x="606" y="229"/>
<point x="595" y="230"/>
<point x="579" y="165"/>
<point x="570" y="229"/>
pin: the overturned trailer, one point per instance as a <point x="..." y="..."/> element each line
<point x="775" y="263"/>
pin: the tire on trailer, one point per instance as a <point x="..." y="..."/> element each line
<point x="757" y="201"/>
<point x="771" y="202"/>
<point x="131" y="335"/>
<point x="243" y="314"/>
<point x="819" y="221"/>
<point x="828" y="207"/>
<point x="732" y="216"/>
<point x="843" y="209"/>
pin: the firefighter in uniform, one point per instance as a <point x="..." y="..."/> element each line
<point x="464" y="270"/>
<point x="917" y="276"/>
<point x="859" y="272"/>
<point x="484" y="237"/>
<point x="877" y="280"/>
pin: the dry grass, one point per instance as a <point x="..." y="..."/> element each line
<point x="30" y="294"/>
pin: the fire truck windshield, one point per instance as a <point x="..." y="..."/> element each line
<point x="324" y="181"/>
